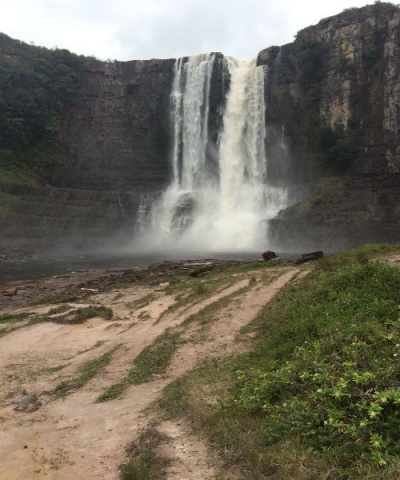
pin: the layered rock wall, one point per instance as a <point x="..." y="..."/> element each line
<point x="116" y="136"/>
<point x="53" y="218"/>
<point x="341" y="74"/>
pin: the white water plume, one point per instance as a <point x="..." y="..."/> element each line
<point x="199" y="212"/>
<point x="190" y="106"/>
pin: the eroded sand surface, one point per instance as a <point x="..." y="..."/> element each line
<point x="71" y="437"/>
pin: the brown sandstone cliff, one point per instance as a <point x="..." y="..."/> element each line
<point x="336" y="91"/>
<point x="341" y="74"/>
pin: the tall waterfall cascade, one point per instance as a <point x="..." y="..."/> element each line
<point x="219" y="198"/>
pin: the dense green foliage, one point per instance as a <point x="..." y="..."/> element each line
<point x="341" y="155"/>
<point x="337" y="150"/>
<point x="328" y="371"/>
<point x="13" y="317"/>
<point x="37" y="85"/>
<point x="310" y="59"/>
<point x="339" y="384"/>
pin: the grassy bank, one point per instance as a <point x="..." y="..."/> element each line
<point x="319" y="395"/>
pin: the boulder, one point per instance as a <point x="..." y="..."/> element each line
<point x="26" y="403"/>
<point x="269" y="255"/>
<point x="10" y="293"/>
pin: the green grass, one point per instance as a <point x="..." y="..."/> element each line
<point x="207" y="314"/>
<point x="80" y="315"/>
<point x="152" y="360"/>
<point x="60" y="309"/>
<point x="44" y="371"/>
<point x="319" y="396"/>
<point x="142" y="301"/>
<point x="55" y="369"/>
<point x="361" y="255"/>
<point x="193" y="289"/>
<point x="143" y="462"/>
<point x="87" y="371"/>
<point x="76" y="316"/>
<point x="328" y="373"/>
<point x="13" y="317"/>
<point x="155" y="358"/>
<point x="33" y="321"/>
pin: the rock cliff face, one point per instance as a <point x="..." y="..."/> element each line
<point x="342" y="76"/>
<point x="333" y="95"/>
<point x="335" y="91"/>
<point x="116" y="136"/>
<point x="113" y="147"/>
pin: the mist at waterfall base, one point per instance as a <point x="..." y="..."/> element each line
<point x="220" y="197"/>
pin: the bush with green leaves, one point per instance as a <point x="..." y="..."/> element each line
<point x="37" y="86"/>
<point x="338" y="151"/>
<point x="310" y="59"/>
<point x="329" y="373"/>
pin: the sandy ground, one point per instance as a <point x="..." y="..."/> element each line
<point x="72" y="437"/>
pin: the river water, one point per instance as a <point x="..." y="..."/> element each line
<point x="42" y="266"/>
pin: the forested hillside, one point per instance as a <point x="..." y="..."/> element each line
<point x="37" y="86"/>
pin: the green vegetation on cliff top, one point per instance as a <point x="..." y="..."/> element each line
<point x="37" y="86"/>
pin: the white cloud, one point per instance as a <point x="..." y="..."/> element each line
<point x="140" y="29"/>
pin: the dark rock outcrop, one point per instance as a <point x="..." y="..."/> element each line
<point x="342" y="214"/>
<point x="27" y="403"/>
<point x="49" y="217"/>
<point x="269" y="255"/>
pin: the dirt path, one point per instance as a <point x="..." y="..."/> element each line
<point x="72" y="437"/>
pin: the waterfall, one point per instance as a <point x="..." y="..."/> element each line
<point x="120" y="205"/>
<point x="190" y="107"/>
<point x="204" y="210"/>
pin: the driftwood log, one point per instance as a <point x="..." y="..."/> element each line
<point x="309" y="257"/>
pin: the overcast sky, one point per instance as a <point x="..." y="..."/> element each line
<point x="143" y="29"/>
